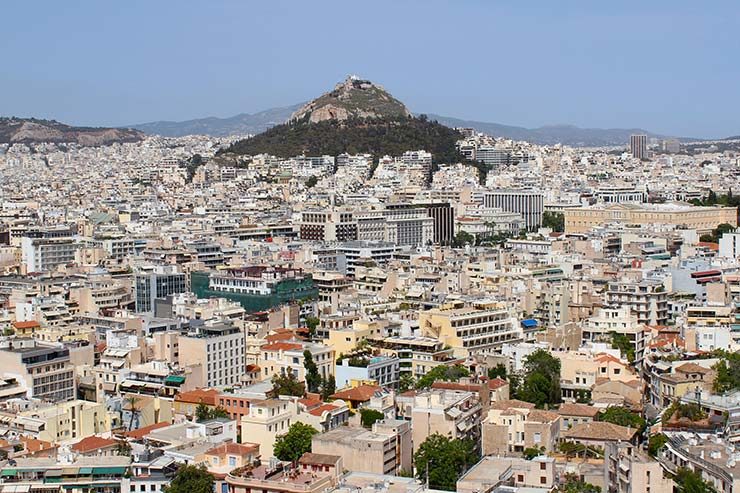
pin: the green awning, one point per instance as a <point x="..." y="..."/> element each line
<point x="174" y="379"/>
<point x="8" y="472"/>
<point x="85" y="470"/>
<point x="109" y="470"/>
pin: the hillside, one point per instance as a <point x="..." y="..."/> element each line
<point x="377" y="136"/>
<point x="350" y="99"/>
<point x="241" y="124"/>
<point x="31" y="131"/>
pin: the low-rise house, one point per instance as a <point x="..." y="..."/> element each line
<point x="573" y="414"/>
<point x="95" y="446"/>
<point x="599" y="433"/>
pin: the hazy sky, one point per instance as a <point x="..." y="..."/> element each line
<point x="668" y="66"/>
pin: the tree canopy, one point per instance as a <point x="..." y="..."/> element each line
<point x="554" y="221"/>
<point x="540" y="383"/>
<point x="688" y="481"/>
<point x="622" y="416"/>
<point x="295" y="443"/>
<point x="377" y="136"/>
<point x="205" y="413"/>
<point x="288" y="384"/>
<point x="190" y="479"/>
<point x="444" y="373"/>
<point x="727" y="377"/>
<point x="370" y="416"/>
<point x="313" y="379"/>
<point x="444" y="460"/>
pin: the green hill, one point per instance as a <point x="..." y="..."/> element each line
<point x="377" y="136"/>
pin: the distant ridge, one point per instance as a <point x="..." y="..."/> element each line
<point x="241" y="124"/>
<point x="34" y="131"/>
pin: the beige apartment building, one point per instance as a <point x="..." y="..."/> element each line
<point x="266" y="420"/>
<point x="512" y="426"/>
<point x="44" y="369"/>
<point x="216" y="352"/>
<point x="66" y="421"/>
<point x="627" y="469"/>
<point x="387" y="449"/>
<point x="702" y="219"/>
<point x="450" y="413"/>
<point x="283" y="357"/>
<point x="481" y="328"/>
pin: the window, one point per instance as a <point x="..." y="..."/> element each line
<point x="543" y="480"/>
<point x="543" y="466"/>
<point x="537" y="437"/>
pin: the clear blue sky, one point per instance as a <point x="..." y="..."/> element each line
<point x="668" y="66"/>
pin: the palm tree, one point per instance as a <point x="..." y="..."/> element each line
<point x="132" y="401"/>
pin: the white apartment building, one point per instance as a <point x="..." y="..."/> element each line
<point x="45" y="254"/>
<point x="529" y="203"/>
<point x="216" y="351"/>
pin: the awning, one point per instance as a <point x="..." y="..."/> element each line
<point x="174" y="380"/>
<point x="109" y="470"/>
<point x="85" y="470"/>
<point x="70" y="471"/>
<point x="53" y="473"/>
<point x="8" y="472"/>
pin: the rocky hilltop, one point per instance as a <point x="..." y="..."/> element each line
<point x="358" y="116"/>
<point x="31" y="131"/>
<point x="352" y="98"/>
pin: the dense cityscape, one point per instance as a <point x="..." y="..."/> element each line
<point x="356" y="298"/>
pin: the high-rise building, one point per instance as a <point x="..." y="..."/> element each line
<point x="529" y="203"/>
<point x="158" y="282"/>
<point x="638" y="146"/>
<point x="217" y="352"/>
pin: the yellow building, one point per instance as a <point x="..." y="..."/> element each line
<point x="344" y="340"/>
<point x="69" y="420"/>
<point x="702" y="219"/>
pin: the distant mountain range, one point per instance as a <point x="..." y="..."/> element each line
<point x="241" y="124"/>
<point x="245" y="123"/>
<point x="32" y="130"/>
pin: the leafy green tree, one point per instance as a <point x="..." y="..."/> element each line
<point x="540" y="383"/>
<point x="312" y="181"/>
<point x="727" y="378"/>
<point x="574" y="484"/>
<point x="554" y="221"/>
<point x="532" y="452"/>
<point x="313" y="379"/>
<point x="463" y="238"/>
<point x="190" y="479"/>
<point x="406" y="382"/>
<point x="444" y="373"/>
<point x="205" y="413"/>
<point x="328" y="387"/>
<point x="498" y="371"/>
<point x="288" y="384"/>
<point x="622" y="416"/>
<point x="312" y="323"/>
<point x="370" y="416"/>
<point x="295" y="443"/>
<point x="655" y="443"/>
<point x="688" y="481"/>
<point x="625" y="346"/>
<point x="442" y="460"/>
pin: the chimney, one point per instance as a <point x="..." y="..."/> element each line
<point x="484" y="392"/>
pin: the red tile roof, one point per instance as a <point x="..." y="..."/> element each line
<point x="30" y="324"/>
<point x="92" y="443"/>
<point x="140" y="433"/>
<point x="360" y="393"/>
<point x="321" y="409"/>
<point x="206" y="396"/>
<point x="281" y="346"/>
